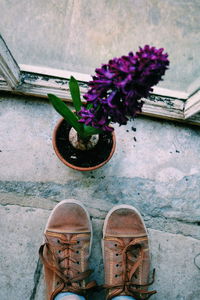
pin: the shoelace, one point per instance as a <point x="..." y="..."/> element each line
<point x="127" y="286"/>
<point x="63" y="273"/>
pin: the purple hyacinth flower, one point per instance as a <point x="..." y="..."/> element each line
<point x="118" y="87"/>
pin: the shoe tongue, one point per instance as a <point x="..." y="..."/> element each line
<point x="127" y="240"/>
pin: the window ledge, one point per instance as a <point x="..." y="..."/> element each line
<point x="39" y="81"/>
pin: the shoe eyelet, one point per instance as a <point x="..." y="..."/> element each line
<point x="59" y="251"/>
<point x="117" y="254"/>
<point x="78" y="242"/>
<point x="115" y="245"/>
<point x="116" y="276"/>
<point x="78" y="262"/>
<point x="58" y="283"/>
<point x="117" y="265"/>
<point x="58" y="241"/>
<point x="77" y="251"/>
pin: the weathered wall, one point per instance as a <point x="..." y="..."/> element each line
<point x="80" y="35"/>
<point x="155" y="168"/>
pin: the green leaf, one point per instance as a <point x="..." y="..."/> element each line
<point x="67" y="114"/>
<point x="75" y="93"/>
<point x="89" y="105"/>
<point x="89" y="130"/>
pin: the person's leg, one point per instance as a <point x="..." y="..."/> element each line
<point x="123" y="298"/>
<point x="68" y="296"/>
<point x="126" y="254"/>
<point x="66" y="251"/>
<point x="71" y="296"/>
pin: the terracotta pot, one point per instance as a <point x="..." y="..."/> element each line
<point x="56" y="137"/>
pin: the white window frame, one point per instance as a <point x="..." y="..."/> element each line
<point x="39" y="81"/>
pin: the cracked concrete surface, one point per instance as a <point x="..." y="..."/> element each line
<point x="171" y="254"/>
<point x="158" y="172"/>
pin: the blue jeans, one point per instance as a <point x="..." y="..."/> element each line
<point x="71" y="296"/>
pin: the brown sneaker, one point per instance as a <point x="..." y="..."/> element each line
<point x="66" y="250"/>
<point x="126" y="253"/>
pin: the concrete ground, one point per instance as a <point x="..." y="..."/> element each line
<point x="155" y="168"/>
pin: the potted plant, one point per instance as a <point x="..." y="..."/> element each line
<point x="114" y="95"/>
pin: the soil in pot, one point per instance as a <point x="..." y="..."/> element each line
<point x="87" y="158"/>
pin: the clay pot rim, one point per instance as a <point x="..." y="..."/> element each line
<point x="76" y="167"/>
